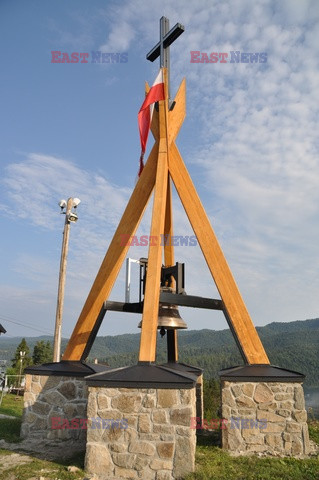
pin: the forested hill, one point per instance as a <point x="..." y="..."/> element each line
<point x="293" y="345"/>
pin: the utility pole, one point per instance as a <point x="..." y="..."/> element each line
<point x="70" y="216"/>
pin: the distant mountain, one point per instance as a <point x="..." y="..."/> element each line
<point x="293" y="345"/>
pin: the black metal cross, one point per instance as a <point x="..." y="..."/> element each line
<point x="161" y="49"/>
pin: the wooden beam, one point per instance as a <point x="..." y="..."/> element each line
<point x="168" y="228"/>
<point x="176" y="118"/>
<point x="177" y="115"/>
<point x="234" y="305"/>
<point x="113" y="260"/>
<point x="147" y="352"/>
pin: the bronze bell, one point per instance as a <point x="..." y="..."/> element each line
<point x="168" y="317"/>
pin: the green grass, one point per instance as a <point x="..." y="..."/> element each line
<point x="313" y="427"/>
<point x="214" y="463"/>
<point x="12" y="405"/>
<point x="10" y="429"/>
<point x="37" y="468"/>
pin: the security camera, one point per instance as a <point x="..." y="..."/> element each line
<point x="76" y="202"/>
<point x="72" y="217"/>
<point x="62" y="203"/>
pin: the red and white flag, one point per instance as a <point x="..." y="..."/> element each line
<point x="155" y="94"/>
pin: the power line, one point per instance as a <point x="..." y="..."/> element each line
<point x="8" y="317"/>
<point x="25" y="325"/>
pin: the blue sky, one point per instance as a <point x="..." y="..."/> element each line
<point x="250" y="142"/>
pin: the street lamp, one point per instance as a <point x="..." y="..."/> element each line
<point x="68" y="208"/>
<point x="22" y="355"/>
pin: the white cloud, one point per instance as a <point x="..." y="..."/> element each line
<point x="42" y="180"/>
<point x="120" y="38"/>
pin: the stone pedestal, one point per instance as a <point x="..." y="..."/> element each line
<point x="139" y="430"/>
<point x="264" y="412"/>
<point x="198" y="372"/>
<point x="50" y="405"/>
<point x="55" y="395"/>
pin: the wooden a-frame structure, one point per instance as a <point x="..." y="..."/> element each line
<point x="163" y="165"/>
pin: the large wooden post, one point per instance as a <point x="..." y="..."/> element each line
<point x="147" y="351"/>
<point x="175" y="118"/>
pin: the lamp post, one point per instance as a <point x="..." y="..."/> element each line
<point x="68" y="208"/>
<point x="22" y="355"/>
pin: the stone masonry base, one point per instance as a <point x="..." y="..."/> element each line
<point x="145" y="434"/>
<point x="265" y="417"/>
<point x="49" y="397"/>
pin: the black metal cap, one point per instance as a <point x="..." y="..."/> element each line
<point x="143" y="375"/>
<point x="183" y="367"/>
<point x="260" y="373"/>
<point x="66" y="368"/>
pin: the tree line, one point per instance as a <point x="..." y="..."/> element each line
<point x="42" y="353"/>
